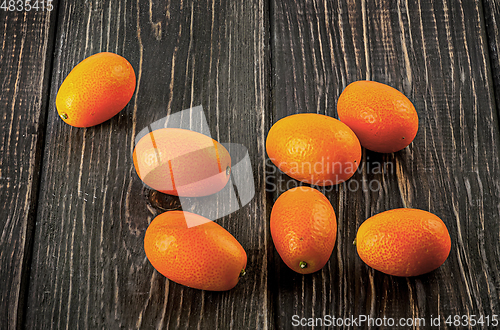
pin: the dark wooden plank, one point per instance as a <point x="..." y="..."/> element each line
<point x="89" y="268"/>
<point x="491" y="10"/>
<point x="25" y="61"/>
<point x="435" y="53"/>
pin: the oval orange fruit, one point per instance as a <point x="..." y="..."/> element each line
<point x="381" y="116"/>
<point x="403" y="242"/>
<point x="95" y="90"/>
<point x="303" y="229"/>
<point x="194" y="251"/>
<point x="181" y="162"/>
<point x="314" y="148"/>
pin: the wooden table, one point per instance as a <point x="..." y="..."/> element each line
<point x="73" y="211"/>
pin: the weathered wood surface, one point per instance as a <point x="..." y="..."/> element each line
<point x="25" y="74"/>
<point x="89" y="267"/>
<point x="74" y="212"/>
<point x="435" y="53"/>
<point x="491" y="9"/>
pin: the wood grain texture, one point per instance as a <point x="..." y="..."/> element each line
<point x="491" y="10"/>
<point x="25" y="66"/>
<point x="73" y="211"/>
<point x="89" y="268"/>
<point x="435" y="53"/>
